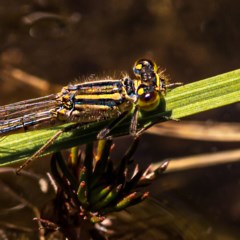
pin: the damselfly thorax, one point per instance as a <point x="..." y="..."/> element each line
<point x="96" y="101"/>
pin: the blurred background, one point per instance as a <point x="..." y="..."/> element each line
<point x="45" y="44"/>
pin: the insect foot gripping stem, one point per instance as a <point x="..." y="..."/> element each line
<point x="105" y="131"/>
<point x="134" y="122"/>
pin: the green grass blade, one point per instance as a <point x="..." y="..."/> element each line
<point x="180" y="102"/>
<point x="204" y="95"/>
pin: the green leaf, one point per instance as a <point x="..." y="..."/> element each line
<point x="204" y="95"/>
<point x="180" y="102"/>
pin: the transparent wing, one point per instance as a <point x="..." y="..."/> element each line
<point x="26" y="113"/>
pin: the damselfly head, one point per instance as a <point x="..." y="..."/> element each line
<point x="146" y="72"/>
<point x="151" y="84"/>
<point x="144" y="67"/>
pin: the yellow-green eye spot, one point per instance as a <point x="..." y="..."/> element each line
<point x="148" y="101"/>
<point x="140" y="91"/>
<point x="139" y="66"/>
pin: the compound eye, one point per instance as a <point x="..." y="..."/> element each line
<point x="141" y="91"/>
<point x="146" y="93"/>
<point x="148" y="98"/>
<point x="144" y="66"/>
<point x="137" y="69"/>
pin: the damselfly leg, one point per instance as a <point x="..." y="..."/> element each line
<point x="46" y="145"/>
<point x="105" y="131"/>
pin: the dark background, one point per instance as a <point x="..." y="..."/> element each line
<point x="61" y="41"/>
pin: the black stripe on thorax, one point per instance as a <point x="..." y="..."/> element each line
<point x="98" y="87"/>
<point x="103" y="102"/>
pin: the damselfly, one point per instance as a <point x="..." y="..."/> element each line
<point x="88" y="102"/>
